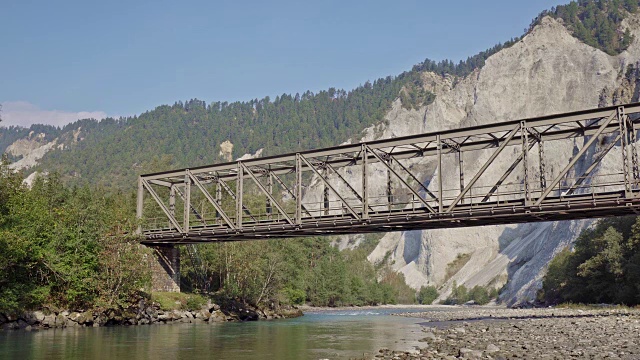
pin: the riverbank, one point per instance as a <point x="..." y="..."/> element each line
<point x="545" y="333"/>
<point x="143" y="314"/>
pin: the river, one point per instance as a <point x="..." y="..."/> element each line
<point x="332" y="334"/>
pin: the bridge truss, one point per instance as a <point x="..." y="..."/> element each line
<point x="402" y="183"/>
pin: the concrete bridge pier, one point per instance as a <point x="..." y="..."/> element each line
<point x="165" y="268"/>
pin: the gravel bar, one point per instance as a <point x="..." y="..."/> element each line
<point x="543" y="333"/>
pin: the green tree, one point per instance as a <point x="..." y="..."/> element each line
<point x="427" y="294"/>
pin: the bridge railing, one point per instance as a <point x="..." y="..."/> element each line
<point x="573" y="165"/>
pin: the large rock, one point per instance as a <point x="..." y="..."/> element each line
<point x="61" y="320"/>
<point x="74" y="316"/>
<point x="85" y="318"/>
<point x="33" y="318"/>
<point x="49" y="321"/>
<point x="203" y="314"/>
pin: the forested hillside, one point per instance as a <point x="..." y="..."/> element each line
<point x="113" y="152"/>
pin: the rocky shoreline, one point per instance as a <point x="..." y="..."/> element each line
<point x="141" y="315"/>
<point x="548" y="333"/>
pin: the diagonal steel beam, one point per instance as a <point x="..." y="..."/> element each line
<point x="346" y="183"/>
<point x="284" y="186"/>
<point x="484" y="167"/>
<point x="504" y="177"/>
<point x="212" y="200"/>
<point x="426" y="190"/>
<point x="595" y="163"/>
<point x="155" y="196"/>
<point x="233" y="196"/>
<point x="415" y="193"/>
<point x="575" y="159"/>
<point x="344" y="202"/>
<point x="262" y="188"/>
<point x="193" y="209"/>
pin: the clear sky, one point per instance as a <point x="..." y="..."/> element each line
<point x="60" y="60"/>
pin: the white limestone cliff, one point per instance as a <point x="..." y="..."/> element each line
<point x="548" y="71"/>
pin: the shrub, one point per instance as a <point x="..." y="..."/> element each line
<point x="427" y="295"/>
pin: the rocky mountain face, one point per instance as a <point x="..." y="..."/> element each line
<point x="549" y="71"/>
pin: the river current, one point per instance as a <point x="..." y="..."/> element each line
<point x="333" y="334"/>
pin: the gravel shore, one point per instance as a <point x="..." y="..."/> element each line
<point x="549" y="333"/>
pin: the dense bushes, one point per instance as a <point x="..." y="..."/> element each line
<point x="265" y="273"/>
<point x="66" y="247"/>
<point x="427" y="295"/>
<point x="604" y="266"/>
<point x="480" y="295"/>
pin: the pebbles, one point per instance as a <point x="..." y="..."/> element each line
<point x="552" y="333"/>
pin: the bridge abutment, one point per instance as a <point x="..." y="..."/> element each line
<point x="165" y="269"/>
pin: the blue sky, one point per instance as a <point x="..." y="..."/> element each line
<point x="66" y="59"/>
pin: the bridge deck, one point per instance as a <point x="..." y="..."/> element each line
<point x="414" y="182"/>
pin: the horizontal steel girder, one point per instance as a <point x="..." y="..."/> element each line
<point x="423" y="206"/>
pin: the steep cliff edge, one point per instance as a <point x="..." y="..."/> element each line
<point x="548" y="71"/>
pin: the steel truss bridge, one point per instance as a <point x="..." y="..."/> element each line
<point x="378" y="186"/>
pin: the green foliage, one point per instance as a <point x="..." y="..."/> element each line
<point x="294" y="296"/>
<point x="459" y="295"/>
<point x="178" y="301"/>
<point x="403" y="294"/>
<point x="427" y="295"/>
<point x="413" y="95"/>
<point x="603" y="268"/>
<point x="66" y="247"/>
<point x="479" y="294"/>
<point x="596" y="22"/>
<point x="289" y="272"/>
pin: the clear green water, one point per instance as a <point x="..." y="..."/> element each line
<point x="321" y="335"/>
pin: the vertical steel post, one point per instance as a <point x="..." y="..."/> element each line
<point x="524" y="135"/>
<point x="269" y="206"/>
<point x="298" y="190"/>
<point x="365" y="181"/>
<point x="543" y="176"/>
<point x="389" y="187"/>
<point x="239" y="191"/>
<point x="218" y="196"/>
<point x="187" y="201"/>
<point x="634" y="149"/>
<point x="172" y="200"/>
<point x="624" y="142"/>
<point x="325" y="194"/>
<point x="440" y="196"/>
<point x="140" y="204"/>
<point x="461" y="166"/>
